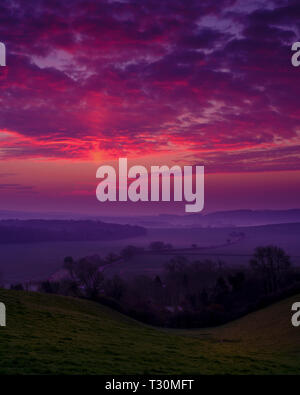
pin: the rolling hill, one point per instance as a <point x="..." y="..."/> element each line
<point x="58" y="335"/>
<point x="36" y="231"/>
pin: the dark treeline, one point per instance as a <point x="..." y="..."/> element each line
<point x="31" y="231"/>
<point x="187" y="294"/>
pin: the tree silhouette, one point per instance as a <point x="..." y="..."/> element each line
<point x="272" y="264"/>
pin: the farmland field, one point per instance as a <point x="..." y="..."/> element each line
<point x="25" y="262"/>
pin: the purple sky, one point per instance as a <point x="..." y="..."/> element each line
<point x="157" y="81"/>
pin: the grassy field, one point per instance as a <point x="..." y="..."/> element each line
<point x="58" y="335"/>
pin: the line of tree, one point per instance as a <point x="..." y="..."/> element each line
<point x="186" y="293"/>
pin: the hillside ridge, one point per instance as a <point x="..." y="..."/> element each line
<point x="47" y="334"/>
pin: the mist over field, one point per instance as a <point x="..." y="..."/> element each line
<point x="214" y="236"/>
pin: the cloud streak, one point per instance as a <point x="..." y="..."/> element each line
<point x="208" y="81"/>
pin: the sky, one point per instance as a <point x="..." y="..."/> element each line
<point x="157" y="81"/>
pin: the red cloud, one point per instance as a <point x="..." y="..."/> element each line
<point x="124" y="78"/>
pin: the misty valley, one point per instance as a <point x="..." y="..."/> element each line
<point x="179" y="275"/>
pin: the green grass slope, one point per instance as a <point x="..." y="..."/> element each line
<point x="57" y="335"/>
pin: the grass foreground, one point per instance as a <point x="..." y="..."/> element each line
<point x="48" y="334"/>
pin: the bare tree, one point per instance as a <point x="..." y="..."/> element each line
<point x="69" y="265"/>
<point x="89" y="277"/>
<point x="272" y="264"/>
<point x="115" y="288"/>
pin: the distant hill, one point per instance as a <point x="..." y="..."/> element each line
<point x="249" y="217"/>
<point x="214" y="219"/>
<point x="58" y="335"/>
<point x="25" y="215"/>
<point x="32" y="231"/>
